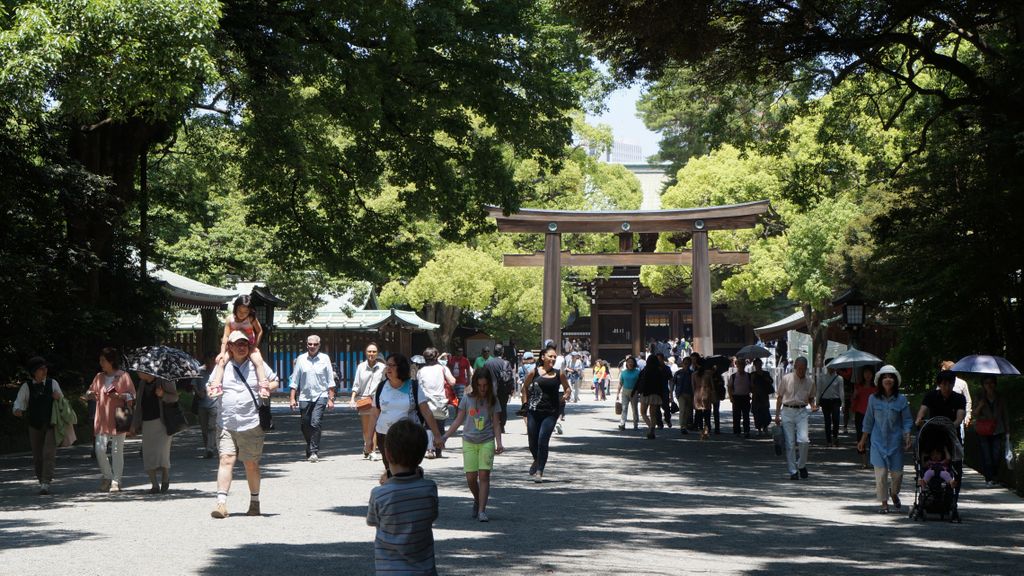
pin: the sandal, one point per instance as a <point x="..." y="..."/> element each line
<point x="884" y="509"/>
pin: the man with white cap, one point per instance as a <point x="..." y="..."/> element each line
<point x="795" y="392"/>
<point x="241" y="436"/>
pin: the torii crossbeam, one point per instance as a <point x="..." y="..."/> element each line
<point x="697" y="221"/>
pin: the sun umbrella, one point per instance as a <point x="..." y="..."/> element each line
<point x="853" y="358"/>
<point x="981" y="364"/>
<point x="717" y="363"/>
<point x="753" y="351"/>
<point x="163" y="362"/>
<point x="418" y="360"/>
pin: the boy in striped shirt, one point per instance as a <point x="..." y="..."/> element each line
<point x="405" y="506"/>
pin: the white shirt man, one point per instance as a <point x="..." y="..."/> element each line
<point x="313" y="380"/>
<point x="795" y="391"/>
<point x="240" y="434"/>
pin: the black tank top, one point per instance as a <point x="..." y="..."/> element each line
<point x="549" y="387"/>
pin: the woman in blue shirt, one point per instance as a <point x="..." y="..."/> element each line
<point x="627" y="392"/>
<point x="887" y="424"/>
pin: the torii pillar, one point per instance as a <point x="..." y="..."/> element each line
<point x="551" y="323"/>
<point x="703" y="341"/>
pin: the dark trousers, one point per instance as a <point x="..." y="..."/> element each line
<point x="539" y="428"/>
<point x="830" y="410"/>
<point x="503" y="397"/>
<point x="666" y="407"/>
<point x="741" y="411"/>
<point x="702" y="421"/>
<point x="44" y="452"/>
<point x="991" y="454"/>
<point x="312" y="416"/>
<point x="718" y="418"/>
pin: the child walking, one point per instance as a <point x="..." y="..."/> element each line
<point x="481" y="439"/>
<point x="405" y="506"/>
<point x="244" y="320"/>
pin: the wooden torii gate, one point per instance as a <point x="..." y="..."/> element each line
<point x="697" y="221"/>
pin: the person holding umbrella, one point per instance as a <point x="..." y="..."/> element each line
<point x="147" y="419"/>
<point x="158" y="367"/>
<point x="36" y="398"/>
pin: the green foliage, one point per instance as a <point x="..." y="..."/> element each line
<point x="92" y="60"/>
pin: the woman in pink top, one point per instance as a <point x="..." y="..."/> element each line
<point x="112" y="389"/>
<point x="862" y="391"/>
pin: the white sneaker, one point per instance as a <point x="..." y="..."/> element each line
<point x="314" y="458"/>
<point x="44" y="489"/>
<point x="558" y="427"/>
<point x="482" y="516"/>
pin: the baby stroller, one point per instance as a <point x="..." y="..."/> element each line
<point x="937" y="497"/>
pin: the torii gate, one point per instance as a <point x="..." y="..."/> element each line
<point x="697" y="221"/>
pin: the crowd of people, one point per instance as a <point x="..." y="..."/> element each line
<point x="404" y="407"/>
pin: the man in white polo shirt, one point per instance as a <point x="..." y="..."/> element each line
<point x="312" y="391"/>
<point x="795" y="392"/>
<point x="240" y="434"/>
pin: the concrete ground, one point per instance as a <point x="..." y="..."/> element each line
<point x="612" y="503"/>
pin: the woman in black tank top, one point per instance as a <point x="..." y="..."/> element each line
<point x="543" y="391"/>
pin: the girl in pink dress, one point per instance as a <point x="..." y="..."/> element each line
<point x="244" y="320"/>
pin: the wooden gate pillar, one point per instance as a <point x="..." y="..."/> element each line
<point x="703" y="342"/>
<point x="551" y="327"/>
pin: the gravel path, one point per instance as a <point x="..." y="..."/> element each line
<point x="612" y="503"/>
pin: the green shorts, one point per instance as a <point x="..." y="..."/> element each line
<point x="476" y="457"/>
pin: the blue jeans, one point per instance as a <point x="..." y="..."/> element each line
<point x="312" y="414"/>
<point x="539" y="427"/>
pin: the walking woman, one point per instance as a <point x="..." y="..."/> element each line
<point x="862" y="391"/>
<point x="703" y="396"/>
<point x="627" y="392"/>
<point x="156" y="443"/>
<point x="761" y="390"/>
<point x="991" y="423"/>
<point x="398" y="398"/>
<point x="651" y="387"/>
<point x="369" y="375"/>
<point x="887" y="425"/>
<point x="600" y="379"/>
<point x="541" y="398"/>
<point x="112" y="389"/>
<point x="481" y="439"/>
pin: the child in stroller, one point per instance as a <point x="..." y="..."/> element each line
<point x="938" y="468"/>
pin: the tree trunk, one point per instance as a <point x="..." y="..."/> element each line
<point x="817" y="331"/>
<point x="448" y="318"/>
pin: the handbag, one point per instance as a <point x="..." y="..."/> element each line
<point x="778" y="440"/>
<point x="985" y="426"/>
<point x="364" y="403"/>
<point x="618" y="408"/>
<point x="123" y="418"/>
<point x="173" y="418"/>
<point x="266" y="418"/>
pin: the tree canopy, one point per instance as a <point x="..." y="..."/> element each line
<point x="923" y="115"/>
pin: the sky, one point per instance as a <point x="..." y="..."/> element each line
<point x="626" y="126"/>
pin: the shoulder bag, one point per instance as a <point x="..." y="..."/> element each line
<point x="266" y="418"/>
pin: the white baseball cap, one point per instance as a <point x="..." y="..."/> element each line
<point x="237" y="335"/>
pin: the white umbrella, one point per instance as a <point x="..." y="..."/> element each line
<point x="853" y="358"/>
<point x="752" y="351"/>
<point x="981" y="364"/>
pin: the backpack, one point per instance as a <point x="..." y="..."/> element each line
<point x="415" y="397"/>
<point x="506" y="381"/>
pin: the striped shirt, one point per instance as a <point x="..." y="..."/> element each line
<point x="404" y="509"/>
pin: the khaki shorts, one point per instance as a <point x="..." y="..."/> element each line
<point x="650" y="400"/>
<point x="248" y="444"/>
